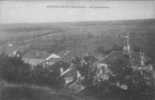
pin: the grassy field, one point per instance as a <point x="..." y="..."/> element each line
<point x="10" y="91"/>
<point x="25" y="93"/>
<point x="78" y="38"/>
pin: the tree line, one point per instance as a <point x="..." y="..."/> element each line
<point x="121" y="79"/>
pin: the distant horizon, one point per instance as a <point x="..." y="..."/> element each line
<point x="57" y="11"/>
<point x="107" y="21"/>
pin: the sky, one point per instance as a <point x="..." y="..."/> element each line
<point x="74" y="11"/>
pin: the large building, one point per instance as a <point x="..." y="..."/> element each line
<point x="144" y="41"/>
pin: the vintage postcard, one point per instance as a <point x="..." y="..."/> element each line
<point x="77" y="50"/>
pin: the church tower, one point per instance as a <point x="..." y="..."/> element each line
<point x="126" y="45"/>
<point x="142" y="58"/>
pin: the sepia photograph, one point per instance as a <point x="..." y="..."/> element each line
<point x="77" y="49"/>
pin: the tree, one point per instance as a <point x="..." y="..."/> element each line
<point x="13" y="69"/>
<point x="124" y="81"/>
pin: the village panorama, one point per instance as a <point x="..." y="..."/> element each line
<point x="77" y="50"/>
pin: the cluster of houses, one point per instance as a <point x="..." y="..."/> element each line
<point x="72" y="75"/>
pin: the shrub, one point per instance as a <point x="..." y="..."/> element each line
<point x="14" y="70"/>
<point x="46" y="77"/>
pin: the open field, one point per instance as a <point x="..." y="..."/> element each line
<point x="26" y="93"/>
<point x="78" y="38"/>
<point x="10" y="91"/>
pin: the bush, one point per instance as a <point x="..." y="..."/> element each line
<point x="14" y="70"/>
<point x="46" y="77"/>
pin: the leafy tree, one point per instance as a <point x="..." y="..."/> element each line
<point x="130" y="83"/>
<point x="13" y="69"/>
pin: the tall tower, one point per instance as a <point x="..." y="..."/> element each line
<point x="142" y="58"/>
<point x="126" y="45"/>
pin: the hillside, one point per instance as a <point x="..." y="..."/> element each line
<point x="77" y="38"/>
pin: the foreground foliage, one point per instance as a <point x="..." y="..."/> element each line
<point x="14" y="70"/>
<point x="121" y="79"/>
